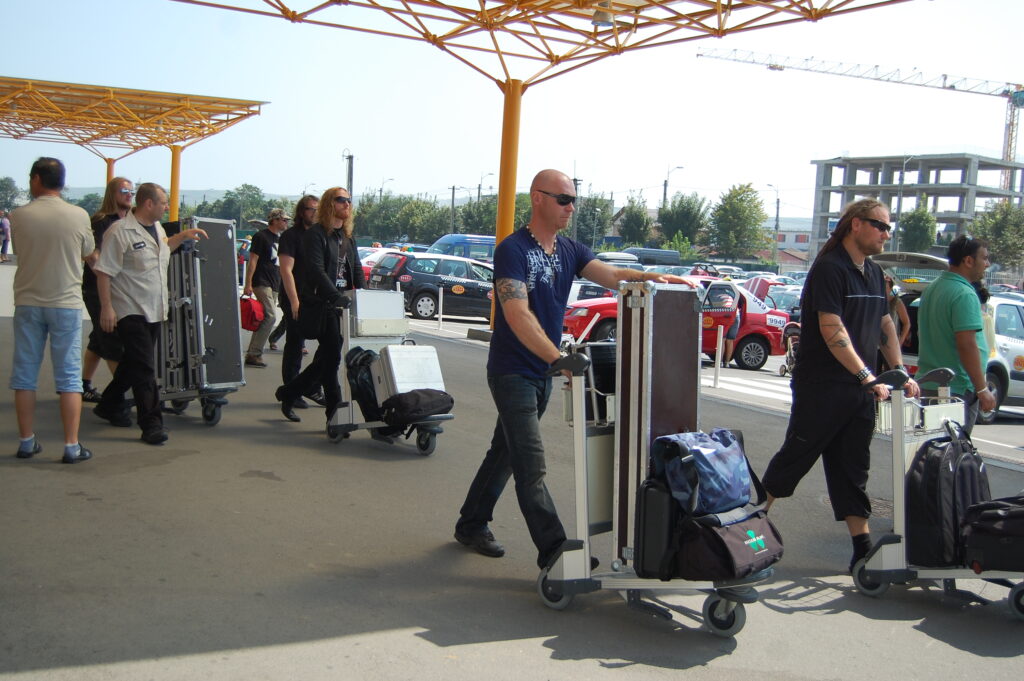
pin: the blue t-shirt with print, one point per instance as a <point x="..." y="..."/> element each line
<point x="548" y="279"/>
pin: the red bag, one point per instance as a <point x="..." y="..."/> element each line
<point x="252" y="313"/>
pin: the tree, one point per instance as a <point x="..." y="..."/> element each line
<point x="1002" y="225"/>
<point x="635" y="225"/>
<point x="593" y="219"/>
<point x="680" y="243"/>
<point x="735" y="228"/>
<point x="245" y="202"/>
<point x="377" y="216"/>
<point x="481" y="217"/>
<point x="90" y="203"/>
<point x="687" y="215"/>
<point x="917" y="229"/>
<point x="9" y="193"/>
<point x="422" y="221"/>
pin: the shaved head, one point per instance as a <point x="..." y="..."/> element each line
<point x="549" y="177"/>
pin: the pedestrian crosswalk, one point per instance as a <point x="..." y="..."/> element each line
<point x="775" y="390"/>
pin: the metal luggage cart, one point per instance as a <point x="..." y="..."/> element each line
<point x="375" y="320"/>
<point x="610" y="453"/>
<point x="908" y="423"/>
<point x="199" y="351"/>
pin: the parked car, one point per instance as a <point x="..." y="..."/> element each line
<point x="467" y="284"/>
<point x="474" y="246"/>
<point x="654" y="256"/>
<point x="1004" y="369"/>
<point x="787" y="299"/>
<point x="618" y="258"/>
<point x="760" y="332"/>
<point x="369" y="255"/>
<point x="797" y="275"/>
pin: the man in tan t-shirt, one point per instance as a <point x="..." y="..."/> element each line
<point x="52" y="238"/>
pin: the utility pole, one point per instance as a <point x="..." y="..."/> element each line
<point x="576" y="190"/>
<point x="453" y="209"/>
<point x="350" y="159"/>
<point x="899" y="206"/>
<point x="664" y="191"/>
<point x="775" y="244"/>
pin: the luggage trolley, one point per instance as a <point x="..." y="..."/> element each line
<point x="910" y="423"/>
<point x="610" y="453"/>
<point x="376" y="321"/>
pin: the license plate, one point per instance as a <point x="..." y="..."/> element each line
<point x="375" y="278"/>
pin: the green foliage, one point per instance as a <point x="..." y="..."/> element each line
<point x="680" y="243"/>
<point x="917" y="229"/>
<point x="635" y="225"/>
<point x="593" y="219"/>
<point x="378" y="217"/>
<point x="686" y="215"/>
<point x="481" y="217"/>
<point x="421" y="221"/>
<point x="735" y="228"/>
<point x="9" y="193"/>
<point x="90" y="202"/>
<point x="1002" y="225"/>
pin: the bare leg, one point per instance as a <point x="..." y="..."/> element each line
<point x="90" y="362"/>
<point x="857" y="525"/>
<point x="25" y="407"/>
<point x="768" y="504"/>
<point x="729" y="345"/>
<point x="70" y="415"/>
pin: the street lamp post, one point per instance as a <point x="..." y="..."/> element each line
<point x="382" y="183"/>
<point x="775" y="243"/>
<point x="351" y="161"/>
<point x="899" y="205"/>
<point x="480" y="186"/>
<point x="664" y="192"/>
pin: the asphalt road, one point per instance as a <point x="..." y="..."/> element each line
<point x="256" y="549"/>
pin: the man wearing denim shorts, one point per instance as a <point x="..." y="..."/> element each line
<point x="533" y="272"/>
<point x="53" y="238"/>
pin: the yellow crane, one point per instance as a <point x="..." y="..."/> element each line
<point x="1013" y="93"/>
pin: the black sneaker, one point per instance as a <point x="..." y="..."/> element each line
<point x="318" y="397"/>
<point x="116" y="417"/>
<point x="155" y="436"/>
<point x="300" y="403"/>
<point x="29" y="453"/>
<point x="482" y="542"/>
<point x="89" y="394"/>
<point x="83" y="455"/>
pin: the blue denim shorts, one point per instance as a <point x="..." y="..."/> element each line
<point x="32" y="325"/>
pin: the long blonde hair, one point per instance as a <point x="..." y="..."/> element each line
<point x="325" y="211"/>
<point x="109" y="204"/>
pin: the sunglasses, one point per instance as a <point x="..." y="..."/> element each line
<point x="126" y="191"/>
<point x="879" y="225"/>
<point x="560" y="199"/>
<point x="342" y="199"/>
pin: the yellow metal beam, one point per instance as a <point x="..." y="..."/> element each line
<point x="175" y="198"/>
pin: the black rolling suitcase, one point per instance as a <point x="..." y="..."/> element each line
<point x="946" y="477"/>
<point x="656" y="516"/>
<point x="993" y="535"/>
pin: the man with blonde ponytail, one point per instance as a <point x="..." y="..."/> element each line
<point x="845" y="322"/>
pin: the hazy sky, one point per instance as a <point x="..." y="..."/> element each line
<point x="411" y="113"/>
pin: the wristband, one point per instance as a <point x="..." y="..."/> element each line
<point x="986" y="389"/>
<point x="901" y="368"/>
<point x="863" y="374"/>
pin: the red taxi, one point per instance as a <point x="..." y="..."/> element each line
<point x="760" y="332"/>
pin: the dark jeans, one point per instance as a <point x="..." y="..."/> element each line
<point x="291" y="358"/>
<point x="137" y="371"/>
<point x="834" y="421"/>
<point x="516" y="450"/>
<point x="323" y="370"/>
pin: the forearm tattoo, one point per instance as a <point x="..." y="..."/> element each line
<point x="835" y="335"/>
<point x="510" y="289"/>
<point x="884" y="339"/>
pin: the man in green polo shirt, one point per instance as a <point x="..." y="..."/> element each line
<point x="950" y="328"/>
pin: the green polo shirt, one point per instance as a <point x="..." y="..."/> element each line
<point x="949" y="304"/>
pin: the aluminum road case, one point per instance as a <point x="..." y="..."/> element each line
<point x="401" y="368"/>
<point x="199" y="353"/>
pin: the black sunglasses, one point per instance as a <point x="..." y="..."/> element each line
<point x="560" y="199"/>
<point x="342" y="199"/>
<point x="879" y="225"/>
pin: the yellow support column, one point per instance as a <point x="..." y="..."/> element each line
<point x="513" y="90"/>
<point x="175" y="198"/>
<point x="110" y="168"/>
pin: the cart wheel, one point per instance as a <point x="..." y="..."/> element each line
<point x="868" y="587"/>
<point x="549" y="596"/>
<point x="179" y="406"/>
<point x="782" y="370"/>
<point x="211" y="414"/>
<point x="1016" y="600"/>
<point x="724" y="618"/>
<point x="426" y="442"/>
<point x="335" y="434"/>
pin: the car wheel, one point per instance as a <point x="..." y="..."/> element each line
<point x="751" y="353"/>
<point x="423" y="306"/>
<point x="996" y="386"/>
<point x="604" y="331"/>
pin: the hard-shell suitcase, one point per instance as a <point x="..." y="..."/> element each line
<point x="946" y="477"/>
<point x="401" y="368"/>
<point x="656" y="516"/>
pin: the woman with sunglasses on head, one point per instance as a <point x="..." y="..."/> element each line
<point x="331" y="267"/>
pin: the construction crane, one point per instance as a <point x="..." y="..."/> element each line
<point x="1013" y="93"/>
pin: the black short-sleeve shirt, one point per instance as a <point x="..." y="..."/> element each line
<point x="291" y="245"/>
<point x="100" y="225"/>
<point x="835" y="285"/>
<point x="264" y="245"/>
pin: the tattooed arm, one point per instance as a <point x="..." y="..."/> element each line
<point x="839" y="344"/>
<point x="890" y="347"/>
<point x="522" y="321"/>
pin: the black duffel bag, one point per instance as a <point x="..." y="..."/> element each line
<point x="415" y="405"/>
<point x="711" y="550"/>
<point x="993" y="535"/>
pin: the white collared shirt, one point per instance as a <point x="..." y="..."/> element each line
<point x="137" y="267"/>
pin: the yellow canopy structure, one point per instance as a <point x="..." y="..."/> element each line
<point x="125" y="121"/>
<point x="519" y="43"/>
